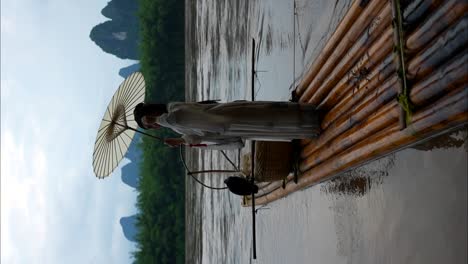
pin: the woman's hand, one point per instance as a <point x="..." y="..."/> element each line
<point x="174" y="142"/>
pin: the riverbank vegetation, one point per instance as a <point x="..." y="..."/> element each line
<point x="161" y="190"/>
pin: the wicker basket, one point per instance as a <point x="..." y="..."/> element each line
<point x="273" y="161"/>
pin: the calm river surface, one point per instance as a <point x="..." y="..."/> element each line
<point x="409" y="207"/>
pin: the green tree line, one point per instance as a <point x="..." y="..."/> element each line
<point x="161" y="190"/>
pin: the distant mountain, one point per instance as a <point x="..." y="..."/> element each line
<point x="129" y="227"/>
<point x="120" y="35"/>
<point x="134" y="152"/>
<point x="125" y="72"/>
<point x="121" y="10"/>
<point x="130" y="174"/>
<point x="131" y="171"/>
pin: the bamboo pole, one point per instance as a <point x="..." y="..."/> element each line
<point x="448" y="112"/>
<point x="273" y="186"/>
<point x="359" y="72"/>
<point x="413" y="13"/>
<point x="262" y="185"/>
<point x="366" y="107"/>
<point x="268" y="189"/>
<point x="417" y="10"/>
<point x="354" y="19"/>
<point x="386" y="115"/>
<point x="351" y="19"/>
<point x="426" y="61"/>
<point x="346" y="102"/>
<point x="444" y="81"/>
<point x="374" y="11"/>
<point x="353" y="55"/>
<point x="443" y="47"/>
<point x="451" y="74"/>
<point x="454" y="103"/>
<point x="350" y="99"/>
<point x="304" y="142"/>
<point x="442" y="18"/>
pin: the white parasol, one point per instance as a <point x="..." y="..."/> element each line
<point x="118" y="125"/>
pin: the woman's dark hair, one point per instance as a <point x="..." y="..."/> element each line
<point x="143" y="109"/>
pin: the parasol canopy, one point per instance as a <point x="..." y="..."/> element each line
<point x="118" y="125"/>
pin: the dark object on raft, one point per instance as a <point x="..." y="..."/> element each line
<point x="240" y="186"/>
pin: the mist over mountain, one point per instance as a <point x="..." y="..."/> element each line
<point x="119" y="35"/>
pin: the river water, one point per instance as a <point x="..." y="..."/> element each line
<point x="409" y="207"/>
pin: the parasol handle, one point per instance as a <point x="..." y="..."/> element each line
<point x="161" y="139"/>
<point x="143" y="133"/>
<point x="136" y="130"/>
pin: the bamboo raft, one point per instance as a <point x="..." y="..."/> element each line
<point x="390" y="76"/>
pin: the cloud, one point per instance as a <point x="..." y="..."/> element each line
<point x="7" y="25"/>
<point x="23" y="197"/>
<point x="7" y="86"/>
<point x="52" y="204"/>
<point x="47" y="215"/>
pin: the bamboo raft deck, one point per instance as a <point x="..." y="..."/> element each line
<point x="389" y="77"/>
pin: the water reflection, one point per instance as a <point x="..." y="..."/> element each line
<point x="348" y="185"/>
<point x="359" y="181"/>
<point x="446" y="141"/>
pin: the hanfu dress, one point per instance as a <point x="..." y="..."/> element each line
<point x="227" y="125"/>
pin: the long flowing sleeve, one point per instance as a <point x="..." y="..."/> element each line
<point x="196" y="126"/>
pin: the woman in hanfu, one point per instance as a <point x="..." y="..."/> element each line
<point x="227" y="125"/>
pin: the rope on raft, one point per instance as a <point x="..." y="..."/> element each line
<point x="229" y="160"/>
<point x="190" y="173"/>
<point x="195" y="178"/>
<point x="403" y="97"/>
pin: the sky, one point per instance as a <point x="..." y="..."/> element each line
<point x="55" y="86"/>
